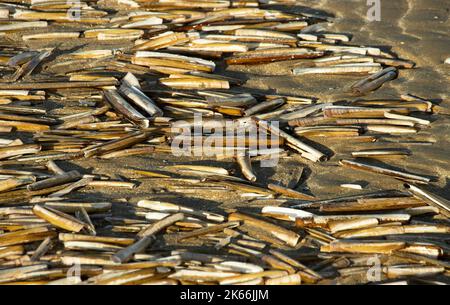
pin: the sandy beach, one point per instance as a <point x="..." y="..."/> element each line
<point x="416" y="30"/>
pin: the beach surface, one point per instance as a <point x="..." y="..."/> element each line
<point x="318" y="233"/>
<point x="413" y="29"/>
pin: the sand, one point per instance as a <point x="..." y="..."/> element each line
<point x="415" y="30"/>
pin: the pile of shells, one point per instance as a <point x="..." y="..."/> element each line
<point x="157" y="72"/>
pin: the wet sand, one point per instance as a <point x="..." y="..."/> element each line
<point x="412" y="29"/>
<point x="415" y="30"/>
